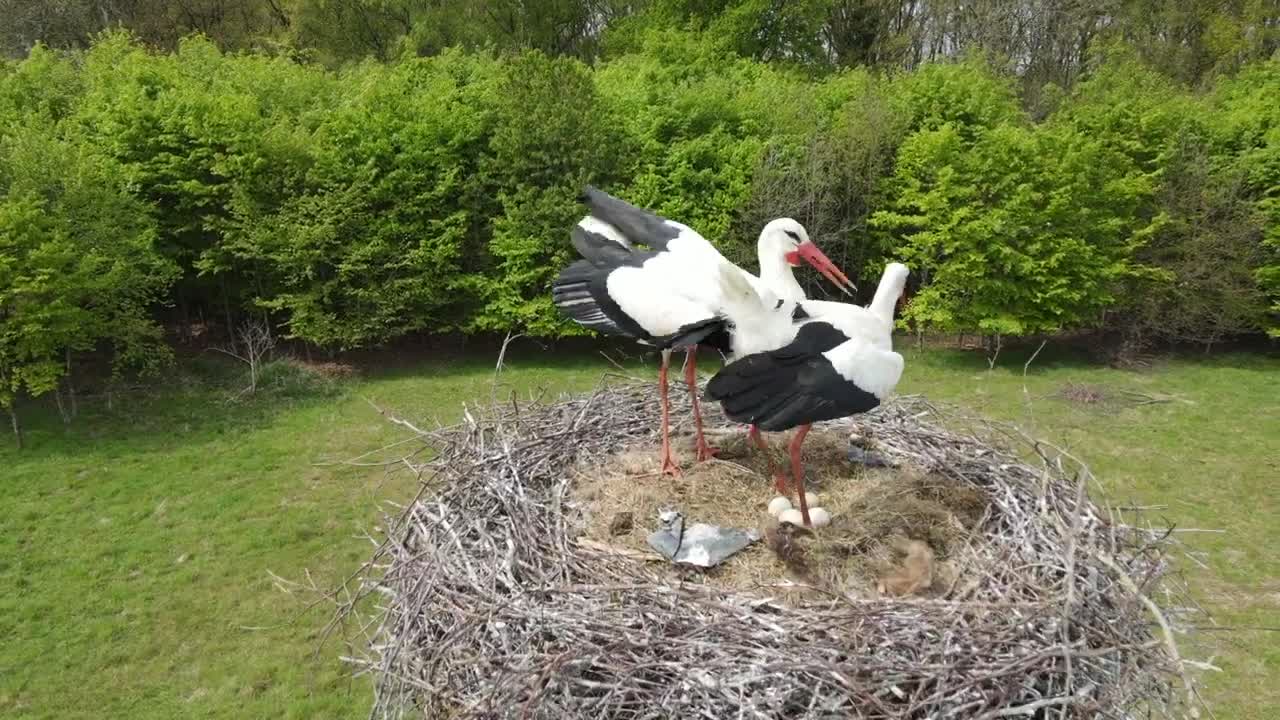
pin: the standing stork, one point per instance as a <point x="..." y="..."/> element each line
<point x="841" y="362"/>
<point x="670" y="295"/>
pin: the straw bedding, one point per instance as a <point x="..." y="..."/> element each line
<point x="490" y="602"/>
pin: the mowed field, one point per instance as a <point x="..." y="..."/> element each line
<point x="138" y="545"/>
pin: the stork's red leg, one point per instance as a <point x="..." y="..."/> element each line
<point x="705" y="451"/>
<point x="797" y="472"/>
<point x="669" y="466"/>
<point x="779" y="480"/>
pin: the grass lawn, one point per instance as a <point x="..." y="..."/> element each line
<point x="136" y="545"/>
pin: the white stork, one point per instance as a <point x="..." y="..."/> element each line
<point x="670" y="295"/>
<point x="841" y="362"/>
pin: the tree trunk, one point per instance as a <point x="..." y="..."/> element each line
<point x="993" y="344"/>
<point x="71" y="387"/>
<point x="17" y="427"/>
<point x="226" y="308"/>
<point x="62" y="409"/>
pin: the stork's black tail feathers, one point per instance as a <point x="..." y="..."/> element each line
<point x="758" y="389"/>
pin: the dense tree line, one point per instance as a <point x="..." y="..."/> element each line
<point x="1040" y="41"/>
<point x="1130" y="184"/>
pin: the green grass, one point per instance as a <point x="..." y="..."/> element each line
<point x="136" y="545"/>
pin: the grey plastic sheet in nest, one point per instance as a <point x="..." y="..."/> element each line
<point x="698" y="544"/>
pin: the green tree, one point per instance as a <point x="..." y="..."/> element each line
<point x="1249" y="131"/>
<point x="376" y="242"/>
<point x="552" y="135"/>
<point x="209" y="142"/>
<point x="78" y="265"/>
<point x="1018" y="229"/>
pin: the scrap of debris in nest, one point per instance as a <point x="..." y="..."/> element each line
<point x="622" y="523"/>
<point x="784" y="539"/>
<point x="699" y="544"/>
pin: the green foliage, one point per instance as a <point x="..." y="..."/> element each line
<point x="208" y="142"/>
<point x="433" y="194"/>
<point x="760" y="29"/>
<point x="967" y="96"/>
<point x="1250" y="133"/>
<point x="1209" y="250"/>
<point x="1005" y="229"/>
<point x="552" y="135"/>
<point x="78" y="266"/>
<point x="1018" y="229"/>
<point x="373" y="242"/>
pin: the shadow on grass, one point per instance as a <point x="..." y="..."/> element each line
<point x="202" y="397"/>
<point x="1071" y="355"/>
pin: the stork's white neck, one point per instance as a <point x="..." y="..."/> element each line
<point x="777" y="275"/>
<point x="892" y="282"/>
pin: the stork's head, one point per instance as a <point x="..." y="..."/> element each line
<point x="787" y="239"/>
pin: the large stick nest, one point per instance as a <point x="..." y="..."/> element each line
<point x="489" y="607"/>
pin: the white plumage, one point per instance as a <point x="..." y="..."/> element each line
<point x="673" y="294"/>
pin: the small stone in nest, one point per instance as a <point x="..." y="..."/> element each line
<point x="622" y="523"/>
<point x="859" y="455"/>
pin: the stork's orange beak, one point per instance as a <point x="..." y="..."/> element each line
<point x="820" y="262"/>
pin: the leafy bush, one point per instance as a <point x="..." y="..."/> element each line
<point x="289" y="378"/>
<point x="1249" y="130"/>
<point x="552" y="135"/>
<point x="78" y="263"/>
<point x="372" y="245"/>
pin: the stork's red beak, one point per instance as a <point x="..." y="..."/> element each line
<point x="811" y="254"/>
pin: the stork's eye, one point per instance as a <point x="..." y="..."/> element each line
<point x="794" y="235"/>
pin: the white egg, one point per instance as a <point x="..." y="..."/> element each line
<point x="811" y="499"/>
<point x="819" y="517"/>
<point x="778" y="505"/>
<point x="791" y="515"/>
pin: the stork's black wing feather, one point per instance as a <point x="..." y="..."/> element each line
<point x="581" y="292"/>
<point x="636" y="224"/>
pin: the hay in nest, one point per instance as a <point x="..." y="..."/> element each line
<point x="876" y="513"/>
<point x="491" y="606"/>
